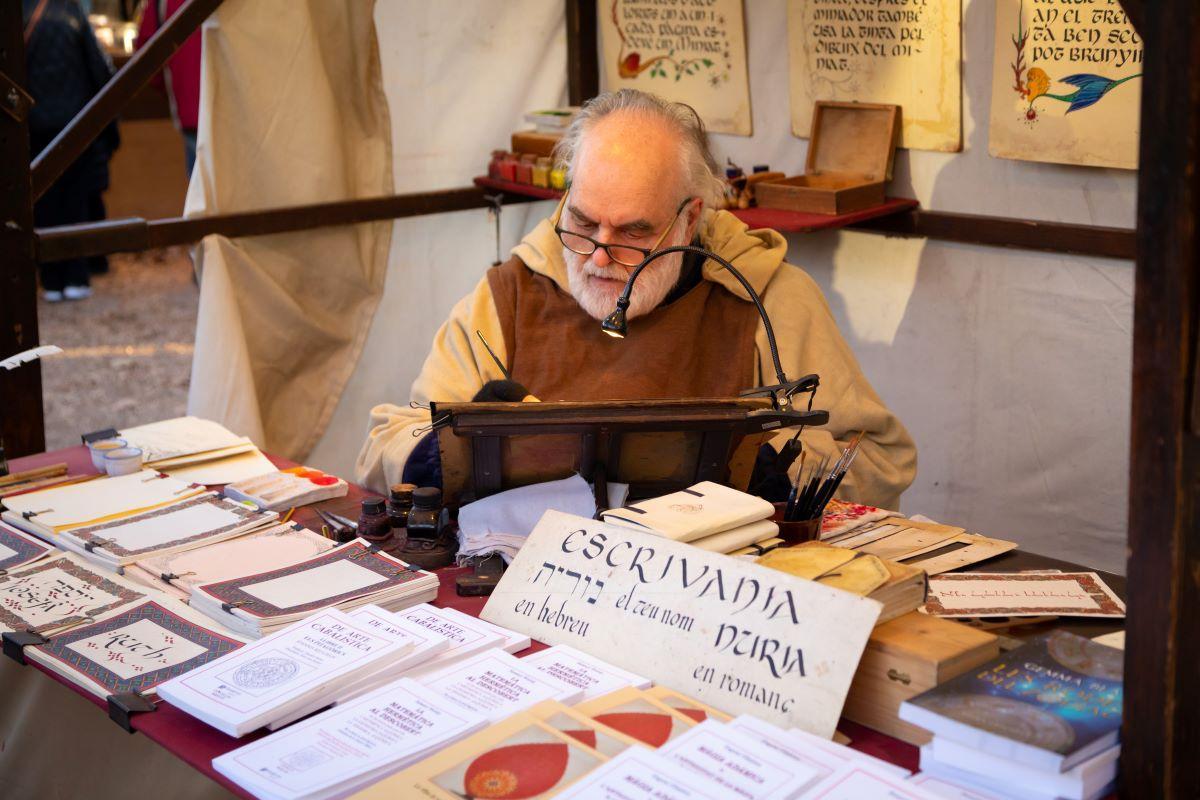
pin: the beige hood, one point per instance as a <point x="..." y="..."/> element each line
<point x="756" y="254"/>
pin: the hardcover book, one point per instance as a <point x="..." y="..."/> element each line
<point x="1051" y="703"/>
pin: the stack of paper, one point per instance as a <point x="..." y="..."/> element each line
<point x="587" y="673"/>
<point x="346" y="577"/>
<point x="707" y="515"/>
<point x="133" y="648"/>
<point x="288" y="671"/>
<point x="49" y="512"/>
<point x="197" y="451"/>
<point x="350" y="746"/>
<point x="260" y="551"/>
<point x="201" y="520"/>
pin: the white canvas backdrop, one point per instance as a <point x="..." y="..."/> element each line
<point x="1010" y="368"/>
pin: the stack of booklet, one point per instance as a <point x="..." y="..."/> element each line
<point x="345" y="577"/>
<point x="1041" y="721"/>
<point x="707" y="515"/>
<point x="631" y="746"/>
<point x="118" y="521"/>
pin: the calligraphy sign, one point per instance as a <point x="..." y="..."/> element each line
<point x="903" y="52"/>
<point x="689" y="51"/>
<point x="1066" y="83"/>
<point x="743" y="638"/>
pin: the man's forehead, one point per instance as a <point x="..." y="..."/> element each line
<point x="626" y="171"/>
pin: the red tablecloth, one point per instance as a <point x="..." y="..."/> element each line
<point x="197" y="744"/>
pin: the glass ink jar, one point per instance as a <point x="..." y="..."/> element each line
<point x="425" y="518"/>
<point x="373" y="522"/>
<point x="400" y="502"/>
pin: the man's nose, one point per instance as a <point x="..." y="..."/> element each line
<point x="601" y="258"/>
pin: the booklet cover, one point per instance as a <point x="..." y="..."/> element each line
<point x="586" y="673"/>
<point x="497" y="685"/>
<point x="636" y="715"/>
<point x="466" y="635"/>
<point x="133" y="650"/>
<point x="267" y="679"/>
<point x="18" y="549"/>
<point x="61" y="590"/>
<point x="519" y="757"/>
<point x="197" y="521"/>
<point x="349" y="746"/>
<point x="1051" y="703"/>
<point x="733" y="763"/>
<point x="701" y="510"/>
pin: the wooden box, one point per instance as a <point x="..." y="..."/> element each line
<point x="850" y="154"/>
<point x="905" y="657"/>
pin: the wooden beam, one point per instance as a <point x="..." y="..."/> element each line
<point x="583" y="60"/>
<point x="104" y="107"/>
<point x="134" y="234"/>
<point x="1026" y="234"/>
<point x="1161" y="731"/>
<point x="1136" y="11"/>
<point x="22" y="425"/>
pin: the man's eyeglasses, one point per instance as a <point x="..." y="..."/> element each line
<point x="624" y="254"/>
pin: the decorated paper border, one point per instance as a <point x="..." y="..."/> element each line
<point x="26" y="550"/>
<point x="1088" y="581"/>
<point x="392" y="573"/>
<point x="214" y="644"/>
<point x="244" y="513"/>
<point x="75" y="570"/>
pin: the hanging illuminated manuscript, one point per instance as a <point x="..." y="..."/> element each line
<point x="691" y="51"/>
<point x="1066" y="83"/>
<point x="904" y="52"/>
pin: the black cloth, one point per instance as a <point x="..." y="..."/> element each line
<point x="65" y="68"/>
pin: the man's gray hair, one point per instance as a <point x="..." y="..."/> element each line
<point x="699" y="167"/>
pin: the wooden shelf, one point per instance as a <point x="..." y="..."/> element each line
<point x="775" y="218"/>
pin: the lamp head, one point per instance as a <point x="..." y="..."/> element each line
<point x="614" y="324"/>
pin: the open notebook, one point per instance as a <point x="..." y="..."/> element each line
<point x="346" y="577"/>
<point x="198" y="521"/>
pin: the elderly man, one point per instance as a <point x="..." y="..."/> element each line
<point x="642" y="179"/>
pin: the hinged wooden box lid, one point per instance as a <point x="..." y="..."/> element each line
<point x="854" y="139"/>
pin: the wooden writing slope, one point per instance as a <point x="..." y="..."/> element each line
<point x="656" y="446"/>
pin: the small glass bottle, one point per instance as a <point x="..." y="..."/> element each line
<point x="400" y="502"/>
<point x="425" y="518"/>
<point x="373" y="522"/>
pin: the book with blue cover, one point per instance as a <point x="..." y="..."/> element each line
<point x="1051" y="703"/>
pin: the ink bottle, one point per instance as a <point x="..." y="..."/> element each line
<point x="425" y="518"/>
<point x="373" y="522"/>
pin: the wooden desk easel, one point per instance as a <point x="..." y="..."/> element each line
<point x="656" y="446"/>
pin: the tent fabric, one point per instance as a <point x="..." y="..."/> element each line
<point x="283" y="318"/>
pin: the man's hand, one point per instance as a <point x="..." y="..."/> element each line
<point x="503" y="392"/>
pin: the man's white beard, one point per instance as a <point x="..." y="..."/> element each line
<point x="598" y="298"/>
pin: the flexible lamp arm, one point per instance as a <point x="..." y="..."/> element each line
<point x="615" y="323"/>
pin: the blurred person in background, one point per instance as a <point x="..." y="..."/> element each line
<point x="65" y="68"/>
<point x="180" y="77"/>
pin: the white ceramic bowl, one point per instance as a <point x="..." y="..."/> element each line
<point x="101" y="448"/>
<point x="123" y="461"/>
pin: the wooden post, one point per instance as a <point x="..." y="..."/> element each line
<point x="22" y="424"/>
<point x="1161" y="730"/>
<point x="583" y="61"/>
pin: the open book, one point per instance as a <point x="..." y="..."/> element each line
<point x="62" y="590"/>
<point x="346" y="577"/>
<point x="693" y="513"/>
